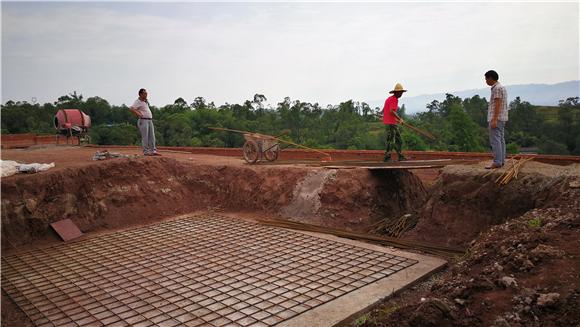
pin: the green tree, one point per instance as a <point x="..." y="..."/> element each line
<point x="177" y="130"/>
<point x="476" y="108"/>
<point x="568" y="123"/>
<point x="524" y="124"/>
<point x="120" y="134"/>
<point x="70" y="101"/>
<point x="462" y="131"/>
<point x="548" y="146"/>
<point x="412" y="141"/>
<point x="460" y="125"/>
<point x="97" y="108"/>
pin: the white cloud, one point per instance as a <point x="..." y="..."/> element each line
<point x="322" y="53"/>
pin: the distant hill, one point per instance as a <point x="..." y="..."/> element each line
<point x="536" y="94"/>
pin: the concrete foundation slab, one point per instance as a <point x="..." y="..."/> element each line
<point x="206" y="270"/>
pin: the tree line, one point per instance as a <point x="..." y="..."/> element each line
<point x="459" y="124"/>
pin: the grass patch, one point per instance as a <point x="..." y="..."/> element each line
<point x="363" y="320"/>
<point x="387" y="311"/>
<point x="535" y="223"/>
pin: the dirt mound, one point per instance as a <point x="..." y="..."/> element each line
<point x="524" y="272"/>
<point x="466" y="201"/>
<point x="132" y="191"/>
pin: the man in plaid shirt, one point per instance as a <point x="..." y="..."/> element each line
<point x="497" y="116"/>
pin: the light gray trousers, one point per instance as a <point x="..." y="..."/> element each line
<point x="147" y="135"/>
<point x="497" y="142"/>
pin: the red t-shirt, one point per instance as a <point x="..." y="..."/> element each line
<point x="391" y="105"/>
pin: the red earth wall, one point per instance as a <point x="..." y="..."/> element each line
<point x="12" y="141"/>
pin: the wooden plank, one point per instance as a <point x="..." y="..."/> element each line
<point x="351" y="164"/>
<point x="385" y="167"/>
<point x="66" y="229"/>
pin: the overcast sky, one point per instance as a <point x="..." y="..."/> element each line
<point x="315" y="52"/>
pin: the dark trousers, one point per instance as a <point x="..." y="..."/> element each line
<point x="393" y="141"/>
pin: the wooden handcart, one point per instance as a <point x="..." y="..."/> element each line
<point x="258" y="147"/>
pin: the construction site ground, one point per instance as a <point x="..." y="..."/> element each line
<point x="521" y="264"/>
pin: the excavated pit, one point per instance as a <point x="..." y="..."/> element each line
<point x="125" y="192"/>
<point x="464" y="201"/>
<point x="119" y="193"/>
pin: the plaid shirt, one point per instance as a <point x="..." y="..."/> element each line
<point x="498" y="91"/>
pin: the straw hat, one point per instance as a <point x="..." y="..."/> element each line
<point x="398" y="88"/>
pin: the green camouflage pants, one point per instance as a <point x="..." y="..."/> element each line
<point x="393" y="141"/>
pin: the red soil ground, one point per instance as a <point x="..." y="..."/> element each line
<point x="453" y="205"/>
<point x="524" y="272"/>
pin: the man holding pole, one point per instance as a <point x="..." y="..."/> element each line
<point x="391" y="120"/>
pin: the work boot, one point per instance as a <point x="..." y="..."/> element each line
<point x="493" y="166"/>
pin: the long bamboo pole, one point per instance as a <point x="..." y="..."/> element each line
<point x="418" y="130"/>
<point x="303" y="146"/>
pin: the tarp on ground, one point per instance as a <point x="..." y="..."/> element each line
<point x="9" y="167"/>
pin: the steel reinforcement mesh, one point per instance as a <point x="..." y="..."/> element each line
<point x="203" y="270"/>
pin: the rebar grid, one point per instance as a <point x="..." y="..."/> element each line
<point x="204" y="270"/>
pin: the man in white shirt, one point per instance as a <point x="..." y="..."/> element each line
<point x="497" y="116"/>
<point x="145" y="123"/>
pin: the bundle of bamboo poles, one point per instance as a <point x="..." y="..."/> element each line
<point x="513" y="171"/>
<point x="396" y="227"/>
<point x="444" y="251"/>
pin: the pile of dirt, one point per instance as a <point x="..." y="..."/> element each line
<point x="132" y="191"/>
<point x="466" y="201"/>
<point x="524" y="272"/>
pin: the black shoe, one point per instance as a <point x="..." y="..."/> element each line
<point x="402" y="158"/>
<point x="387" y="159"/>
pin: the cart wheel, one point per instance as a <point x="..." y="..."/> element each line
<point x="272" y="154"/>
<point x="251" y="151"/>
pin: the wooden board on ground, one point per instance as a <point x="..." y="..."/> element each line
<point x="66" y="229"/>
<point x="351" y="164"/>
<point x="390" y="163"/>
<point x="385" y="167"/>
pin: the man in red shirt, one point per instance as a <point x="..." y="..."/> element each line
<point x="391" y="120"/>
